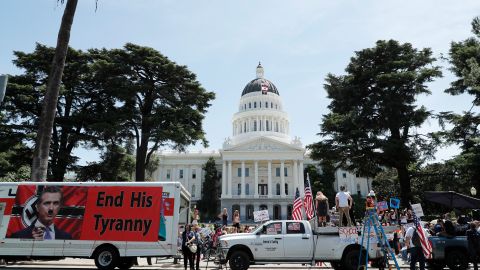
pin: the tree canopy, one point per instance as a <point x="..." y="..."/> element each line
<point x="373" y="116"/>
<point x="208" y="204"/>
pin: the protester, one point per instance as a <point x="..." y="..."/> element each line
<point x="343" y="203"/>
<point x="224" y="217"/>
<point x="187" y="239"/>
<point x="198" y="242"/>
<point x="416" y="252"/>
<point x="473" y="239"/>
<point x="321" y="204"/>
<point x="236" y="221"/>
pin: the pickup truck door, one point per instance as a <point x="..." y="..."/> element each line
<point x="270" y="243"/>
<point x="299" y="241"/>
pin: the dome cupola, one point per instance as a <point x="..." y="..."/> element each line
<point x="260" y="84"/>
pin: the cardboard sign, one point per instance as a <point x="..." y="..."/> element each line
<point x="259" y="216"/>
<point x="417" y="208"/>
<point x="382" y="206"/>
<point x="348" y="234"/>
<point x="394" y="203"/>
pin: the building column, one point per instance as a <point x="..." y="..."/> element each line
<point x="224" y="179"/>
<point x="269" y="179"/>
<point x="242" y="190"/>
<point x="243" y="212"/>
<point x="295" y="177"/>
<point x="301" y="180"/>
<point x="282" y="176"/>
<point x="229" y="182"/>
<point x="256" y="179"/>
<point x="283" y="210"/>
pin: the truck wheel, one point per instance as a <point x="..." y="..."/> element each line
<point x="350" y="260"/>
<point x="126" y="263"/>
<point x="239" y="260"/>
<point x="457" y="260"/>
<point x="106" y="258"/>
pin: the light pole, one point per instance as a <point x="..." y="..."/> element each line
<point x="473" y="191"/>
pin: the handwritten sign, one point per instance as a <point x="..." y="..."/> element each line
<point x="417" y="208"/>
<point x="348" y="234"/>
<point x="259" y="216"/>
<point x="382" y="206"/>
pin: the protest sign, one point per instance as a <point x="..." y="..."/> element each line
<point x="348" y="234"/>
<point x="417" y="208"/>
<point x="259" y="216"/>
<point x="394" y="203"/>
<point x="382" y="206"/>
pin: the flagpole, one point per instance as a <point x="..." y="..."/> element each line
<point x="314" y="231"/>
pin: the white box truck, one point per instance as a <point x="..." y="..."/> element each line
<point x="110" y="222"/>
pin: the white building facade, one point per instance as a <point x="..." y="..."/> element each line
<point x="261" y="166"/>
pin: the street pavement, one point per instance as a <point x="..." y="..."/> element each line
<point x="166" y="264"/>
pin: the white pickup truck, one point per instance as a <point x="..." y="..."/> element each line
<point x="291" y="241"/>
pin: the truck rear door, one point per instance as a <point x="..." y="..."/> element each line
<point x="298" y="241"/>
<point x="270" y="243"/>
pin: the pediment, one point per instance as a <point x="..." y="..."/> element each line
<point x="264" y="144"/>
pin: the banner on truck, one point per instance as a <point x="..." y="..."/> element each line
<point x="118" y="213"/>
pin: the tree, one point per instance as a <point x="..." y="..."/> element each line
<point x="165" y="102"/>
<point x="373" y="116"/>
<point x="208" y="205"/>
<point x="84" y="114"/>
<point x="322" y="180"/>
<point x="117" y="165"/>
<point x="44" y="134"/>
<point x="465" y="61"/>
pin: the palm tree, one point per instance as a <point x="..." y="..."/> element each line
<point x="49" y="108"/>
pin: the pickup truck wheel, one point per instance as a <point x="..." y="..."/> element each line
<point x="106" y="258"/>
<point x="239" y="260"/>
<point x="457" y="260"/>
<point x="350" y="260"/>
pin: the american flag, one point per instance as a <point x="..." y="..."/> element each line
<point x="308" y="199"/>
<point x="426" y="246"/>
<point x="297" y="207"/>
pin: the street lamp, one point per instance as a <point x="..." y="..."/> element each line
<point x="473" y="191"/>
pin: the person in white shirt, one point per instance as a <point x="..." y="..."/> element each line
<point x="416" y="253"/>
<point x="343" y="203"/>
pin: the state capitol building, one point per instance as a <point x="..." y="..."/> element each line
<point x="260" y="164"/>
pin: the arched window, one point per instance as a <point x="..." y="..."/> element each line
<point x="255" y="104"/>
<point x="249" y="209"/>
<point x="276" y="126"/>
<point x="286" y="188"/>
<point x="247" y="189"/>
<point x="271" y="105"/>
<point x="245" y="127"/>
<point x="239" y="188"/>
<point x="277" y="212"/>
<point x="255" y="125"/>
<point x="263" y="207"/>
<point x="249" y="105"/>
<point x="266" y="126"/>
<point x="266" y="104"/>
<point x="245" y="106"/>
<point x="278" y="188"/>
<point x="193" y="190"/>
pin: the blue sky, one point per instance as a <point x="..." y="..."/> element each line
<point x="298" y="43"/>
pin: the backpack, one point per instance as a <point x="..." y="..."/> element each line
<point x="416" y="239"/>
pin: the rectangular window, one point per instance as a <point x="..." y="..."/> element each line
<point x="277" y="172"/>
<point x="285" y="171"/>
<point x="194" y="173"/>
<point x="239" y="172"/>
<point x="239" y="189"/>
<point x="344" y="175"/>
<point x="295" y="228"/>
<point x="247" y="172"/>
<point x="168" y="174"/>
<point x="180" y="173"/>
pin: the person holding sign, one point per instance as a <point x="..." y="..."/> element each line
<point x="321" y="204"/>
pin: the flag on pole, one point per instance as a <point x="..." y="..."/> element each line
<point x="297" y="207"/>
<point x="308" y="201"/>
<point x="426" y="246"/>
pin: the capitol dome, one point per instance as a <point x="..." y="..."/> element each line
<point x="260" y="84"/>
